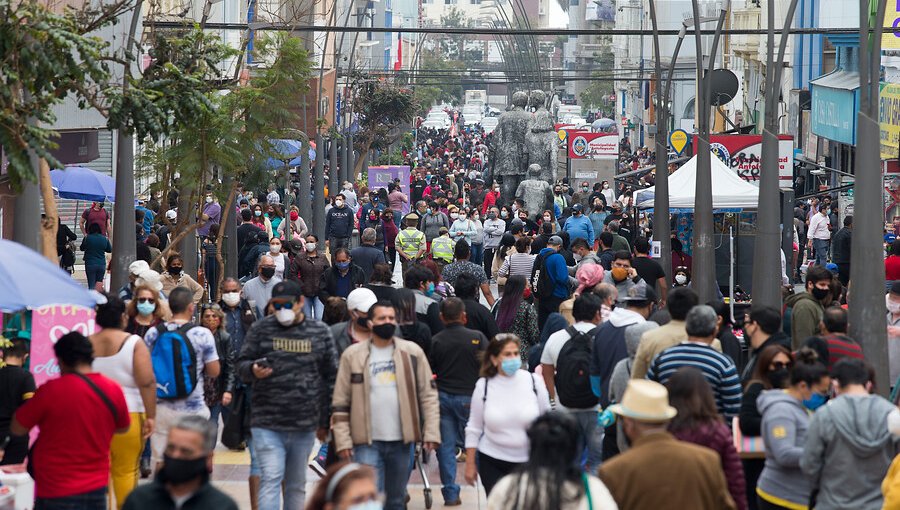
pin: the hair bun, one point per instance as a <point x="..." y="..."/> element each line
<point x="806" y="356"/>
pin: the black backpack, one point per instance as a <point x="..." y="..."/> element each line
<point x="541" y="284"/>
<point x="573" y="371"/>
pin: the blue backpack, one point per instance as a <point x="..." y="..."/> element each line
<point x="174" y="363"/>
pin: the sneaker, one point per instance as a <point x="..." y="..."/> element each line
<point x="455" y="502"/>
<point x="460" y="455"/>
<point x="145" y="467"/>
<point x="318" y="462"/>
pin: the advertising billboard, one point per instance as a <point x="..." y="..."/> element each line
<point x="584" y="145"/>
<point x="742" y="153"/>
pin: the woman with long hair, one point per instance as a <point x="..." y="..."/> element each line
<point x="275" y="215"/>
<point x="552" y="478"/>
<point x="410" y="328"/>
<point x="260" y="220"/>
<point x="125" y="358"/>
<point x="507" y="247"/>
<point x="145" y="310"/>
<point x="505" y="402"/>
<point x="785" y="421"/>
<point x="345" y="486"/>
<point x="515" y="314"/>
<point x="772" y="371"/>
<point x="519" y="263"/>
<point x="218" y="391"/>
<point x="698" y="422"/>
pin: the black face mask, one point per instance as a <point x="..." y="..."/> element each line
<point x="267" y="272"/>
<point x="363" y="322"/>
<point x="384" y="330"/>
<point x="175" y="270"/>
<point x="820" y="294"/>
<point x="779" y="378"/>
<point x="179" y="471"/>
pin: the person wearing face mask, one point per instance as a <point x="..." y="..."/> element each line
<point x="211" y="214"/>
<point x="258" y="290"/>
<point x="339" y="223"/>
<point x="785" y="423"/>
<point x="342" y="277"/>
<point x="583" y="196"/>
<point x="608" y="192"/>
<point x="282" y="262"/>
<point x="307" y="269"/>
<point x="493" y="230"/>
<point x="390" y="231"/>
<point x="396" y="379"/>
<point x="296" y="224"/>
<point x="682" y="277"/>
<point x="174" y="277"/>
<point x="356" y="328"/>
<point x="804" y="310"/>
<point x="490" y="199"/>
<point x="290" y="362"/>
<point x="239" y="315"/>
<point x="621" y="274"/>
<point x="346" y="486"/>
<point x="350" y="196"/>
<point x="579" y="226"/>
<point x="505" y="402"/>
<point x="261" y="220"/>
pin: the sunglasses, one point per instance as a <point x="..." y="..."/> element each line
<point x="211" y="306"/>
<point x="779" y="365"/>
<point x="279" y="306"/>
<point x="146" y="300"/>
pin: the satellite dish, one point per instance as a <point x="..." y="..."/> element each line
<point x="724" y="85"/>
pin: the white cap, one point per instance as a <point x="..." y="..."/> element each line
<point x="361" y="300"/>
<point x="151" y="279"/>
<point x="138" y="266"/>
<point x="171" y="214"/>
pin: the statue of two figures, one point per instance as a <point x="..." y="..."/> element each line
<point x="523" y="139"/>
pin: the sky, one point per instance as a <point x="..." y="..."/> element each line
<point x="558" y="17"/>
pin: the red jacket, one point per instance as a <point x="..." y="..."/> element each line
<point x="717" y="437"/>
<point x="490" y="200"/>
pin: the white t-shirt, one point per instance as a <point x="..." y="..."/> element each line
<point x="383" y="395"/>
<point x="204" y="344"/>
<point x="555" y="343"/>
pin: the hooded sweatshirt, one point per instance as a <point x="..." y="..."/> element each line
<point x="806" y="314"/>
<point x="784" y="427"/>
<point x="848" y="451"/>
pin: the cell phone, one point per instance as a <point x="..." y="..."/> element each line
<point x="5" y="442"/>
<point x="263" y="363"/>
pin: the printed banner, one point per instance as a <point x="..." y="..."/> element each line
<point x="381" y="176"/>
<point x="742" y="154"/>
<point x="584" y="145"/>
<point x="889" y="120"/>
<point x="48" y="324"/>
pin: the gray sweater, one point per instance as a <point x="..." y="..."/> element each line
<point x="784" y="427"/>
<point x="848" y="451"/>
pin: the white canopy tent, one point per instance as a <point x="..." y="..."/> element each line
<point x="729" y="191"/>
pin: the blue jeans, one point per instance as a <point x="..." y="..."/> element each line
<point x="216" y="411"/>
<point x="94" y="274"/>
<point x="820" y="246"/>
<point x="591" y="439"/>
<point x="477" y="254"/>
<point x="312" y="307"/>
<point x="283" y="457"/>
<point x="454" y="416"/>
<point x="94" y="500"/>
<point x="391" y="461"/>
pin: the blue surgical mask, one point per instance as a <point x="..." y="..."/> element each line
<point x="368" y="505"/>
<point x="146" y="308"/>
<point x="342" y="265"/>
<point x="510" y="365"/>
<point x="430" y="289"/>
<point x="815" y="401"/>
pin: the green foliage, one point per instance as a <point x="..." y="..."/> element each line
<point x="44" y="57"/>
<point x="383" y="107"/>
<point x="595" y="94"/>
<point x="442" y="81"/>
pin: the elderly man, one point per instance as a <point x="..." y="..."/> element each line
<point x="183" y="480"/>
<point x="633" y="477"/>
<point x="258" y="290"/>
<point x="367" y="255"/>
<point x="134" y="271"/>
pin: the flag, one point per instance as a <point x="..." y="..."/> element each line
<point x="399" y="63"/>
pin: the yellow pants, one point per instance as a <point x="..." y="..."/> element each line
<point x="125" y="457"/>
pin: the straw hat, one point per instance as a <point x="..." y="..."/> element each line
<point x="646" y="401"/>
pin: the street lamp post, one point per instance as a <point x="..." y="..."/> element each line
<point x="867" y="316"/>
<point x="704" y="281"/>
<point x="766" y="280"/>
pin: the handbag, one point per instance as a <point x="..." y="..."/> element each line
<point x="237" y="425"/>
<point x="749" y="447"/>
<point x="103" y="397"/>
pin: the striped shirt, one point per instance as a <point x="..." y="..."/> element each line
<point x="517" y="264"/>
<point x="718" y="369"/>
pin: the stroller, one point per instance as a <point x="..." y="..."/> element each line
<point x="421" y="458"/>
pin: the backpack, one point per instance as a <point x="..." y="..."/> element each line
<point x="573" y="375"/>
<point x="174" y="363"/>
<point x="541" y="284"/>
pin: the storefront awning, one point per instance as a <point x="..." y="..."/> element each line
<point x="846" y="80"/>
<point x="835" y="100"/>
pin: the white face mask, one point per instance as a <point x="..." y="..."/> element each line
<point x="680" y="279"/>
<point x="209" y="200"/>
<point x="338" y="203"/>
<point x="454" y="215"/>
<point x="310" y="246"/>
<point x="893" y="307"/>
<point x="231" y="298"/>
<point x="274" y="248"/>
<point x="285" y="316"/>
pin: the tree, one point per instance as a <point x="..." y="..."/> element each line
<point x="382" y="107"/>
<point x="597" y="91"/>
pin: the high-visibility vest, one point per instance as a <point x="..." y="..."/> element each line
<point x="442" y="248"/>
<point x="410" y="241"/>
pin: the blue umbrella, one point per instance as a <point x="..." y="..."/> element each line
<point x="83" y="183"/>
<point x="286" y="149"/>
<point x="601" y="125"/>
<point x="29" y="280"/>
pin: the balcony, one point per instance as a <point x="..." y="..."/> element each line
<point x="746" y="46"/>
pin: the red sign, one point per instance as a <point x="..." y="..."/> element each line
<point x="742" y="153"/>
<point x="585" y="145"/>
<point x="48" y="324"/>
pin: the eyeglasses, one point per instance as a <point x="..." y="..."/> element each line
<point x="211" y="306"/>
<point x="279" y="306"/>
<point x="146" y="300"/>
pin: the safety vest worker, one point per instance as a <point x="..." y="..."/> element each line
<point x="411" y="241"/>
<point x="442" y="247"/>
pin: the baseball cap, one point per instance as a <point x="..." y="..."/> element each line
<point x="171" y="214"/>
<point x="555" y="241"/>
<point x="361" y="300"/>
<point x="639" y="292"/>
<point x="577" y="208"/>
<point x="287" y="289"/>
<point x="137" y="267"/>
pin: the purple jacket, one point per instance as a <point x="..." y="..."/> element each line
<point x="717" y="437"/>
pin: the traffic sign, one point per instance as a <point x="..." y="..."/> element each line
<point x="678" y="140"/>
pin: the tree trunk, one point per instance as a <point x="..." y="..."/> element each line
<point x="220" y="261"/>
<point x="361" y="161"/>
<point x="50" y="222"/>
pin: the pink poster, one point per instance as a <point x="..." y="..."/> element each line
<point x="48" y="324"/>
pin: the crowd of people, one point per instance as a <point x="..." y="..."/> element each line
<point x="584" y="380"/>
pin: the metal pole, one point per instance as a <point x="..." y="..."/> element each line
<point x="334" y="184"/>
<point x="867" y="316"/>
<point x="661" y="231"/>
<point x="766" y="281"/>
<point x="305" y="181"/>
<point x="351" y="160"/>
<point x="318" y="185"/>
<point x="229" y="230"/>
<point x="345" y="162"/>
